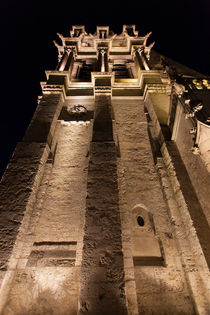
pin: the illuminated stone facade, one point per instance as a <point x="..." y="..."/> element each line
<point x="105" y="202"/>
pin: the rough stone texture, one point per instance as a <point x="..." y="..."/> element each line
<point x="189" y="248"/>
<point x="18" y="191"/>
<point x="102" y="273"/>
<point x="42" y="125"/>
<point x="190" y="253"/>
<point x="160" y="289"/>
<point x="52" y="237"/>
<point x="193" y="203"/>
<point x="45" y="274"/>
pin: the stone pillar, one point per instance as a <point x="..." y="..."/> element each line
<point x="70" y="60"/>
<point x="142" y="58"/>
<point x="61" y="65"/>
<point x="102" y="289"/>
<point x="102" y="273"/>
<point x="67" y="59"/>
<point x="102" y="34"/>
<point x="103" y="60"/>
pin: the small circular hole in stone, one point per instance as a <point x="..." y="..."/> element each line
<point x="140" y="221"/>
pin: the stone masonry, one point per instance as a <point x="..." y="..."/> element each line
<point x="104" y="204"/>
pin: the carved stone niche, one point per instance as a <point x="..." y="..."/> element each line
<point x="75" y="113"/>
<point x="77" y="30"/>
<point x="102" y="32"/>
<point x="145" y="245"/>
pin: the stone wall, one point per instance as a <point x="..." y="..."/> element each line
<point x="187" y="239"/>
<point x="104" y="216"/>
<point x="160" y="284"/>
<point x="193" y="163"/>
<point x="45" y="265"/>
<point x="19" y="185"/>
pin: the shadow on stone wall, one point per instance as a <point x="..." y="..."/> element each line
<point x="102" y="273"/>
<point x="199" y="220"/>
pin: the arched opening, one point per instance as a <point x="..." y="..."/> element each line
<point x="140" y="221"/>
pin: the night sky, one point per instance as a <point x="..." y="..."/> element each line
<point x="180" y="30"/>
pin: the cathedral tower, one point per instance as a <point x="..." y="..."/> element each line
<point x="105" y="201"/>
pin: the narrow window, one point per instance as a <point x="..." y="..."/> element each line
<point x="140" y="221"/>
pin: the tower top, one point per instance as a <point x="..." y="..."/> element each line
<point x="86" y="43"/>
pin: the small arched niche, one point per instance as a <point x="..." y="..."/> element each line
<point x="142" y="220"/>
<point x="145" y="244"/>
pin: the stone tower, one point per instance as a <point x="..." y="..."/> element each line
<point x="105" y="202"/>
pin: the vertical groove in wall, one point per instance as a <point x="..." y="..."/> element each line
<point x="102" y="273"/>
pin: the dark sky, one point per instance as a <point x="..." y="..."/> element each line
<point x="180" y="30"/>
